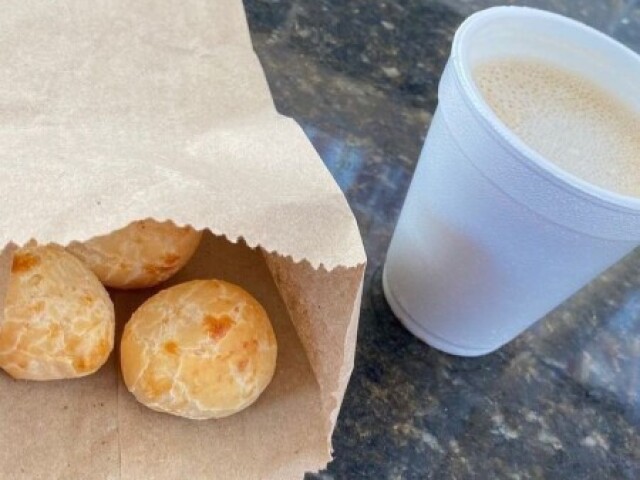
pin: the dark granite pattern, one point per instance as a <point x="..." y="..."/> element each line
<point x="563" y="400"/>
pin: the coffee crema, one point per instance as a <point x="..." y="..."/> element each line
<point x="566" y="118"/>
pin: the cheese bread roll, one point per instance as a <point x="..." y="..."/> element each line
<point x="142" y="254"/>
<point x="58" y="318"/>
<point x="202" y="349"/>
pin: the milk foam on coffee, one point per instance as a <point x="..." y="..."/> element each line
<point x="567" y="119"/>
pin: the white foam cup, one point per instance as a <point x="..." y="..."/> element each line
<point x="492" y="236"/>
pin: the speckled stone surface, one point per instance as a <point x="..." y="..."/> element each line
<point x="563" y="400"/>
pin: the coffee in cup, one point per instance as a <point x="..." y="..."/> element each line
<point x="566" y="118"/>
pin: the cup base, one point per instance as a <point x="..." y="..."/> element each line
<point x="421" y="332"/>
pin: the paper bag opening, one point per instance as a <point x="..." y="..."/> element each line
<point x="96" y="429"/>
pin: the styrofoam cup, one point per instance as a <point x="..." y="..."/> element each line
<point x="492" y="236"/>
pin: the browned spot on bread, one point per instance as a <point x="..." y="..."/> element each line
<point x="71" y="344"/>
<point x="242" y="365"/>
<point x="100" y="353"/>
<point x="54" y="330"/>
<point x="153" y="269"/>
<point x="80" y="365"/>
<point x="171" y="347"/>
<point x="170" y="259"/>
<point x="154" y="388"/>
<point x="150" y="268"/>
<point x="91" y="362"/>
<point x="217" y="327"/>
<point x="87" y="299"/>
<point x="23" y="262"/>
<point x="250" y="345"/>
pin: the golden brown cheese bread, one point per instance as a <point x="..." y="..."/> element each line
<point x="202" y="349"/>
<point x="140" y="255"/>
<point x="58" y="318"/>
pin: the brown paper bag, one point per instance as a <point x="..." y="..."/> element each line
<point x="113" y="111"/>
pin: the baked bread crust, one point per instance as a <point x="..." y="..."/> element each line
<point x="142" y="254"/>
<point x="58" y="318"/>
<point x="202" y="349"/>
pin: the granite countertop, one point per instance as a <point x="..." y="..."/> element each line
<point x="563" y="400"/>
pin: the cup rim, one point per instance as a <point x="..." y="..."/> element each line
<point x="526" y="154"/>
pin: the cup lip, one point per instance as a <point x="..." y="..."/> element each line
<point x="527" y="155"/>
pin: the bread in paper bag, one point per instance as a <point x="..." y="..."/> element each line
<point x="201" y="349"/>
<point x="140" y="255"/>
<point x="58" y="318"/>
